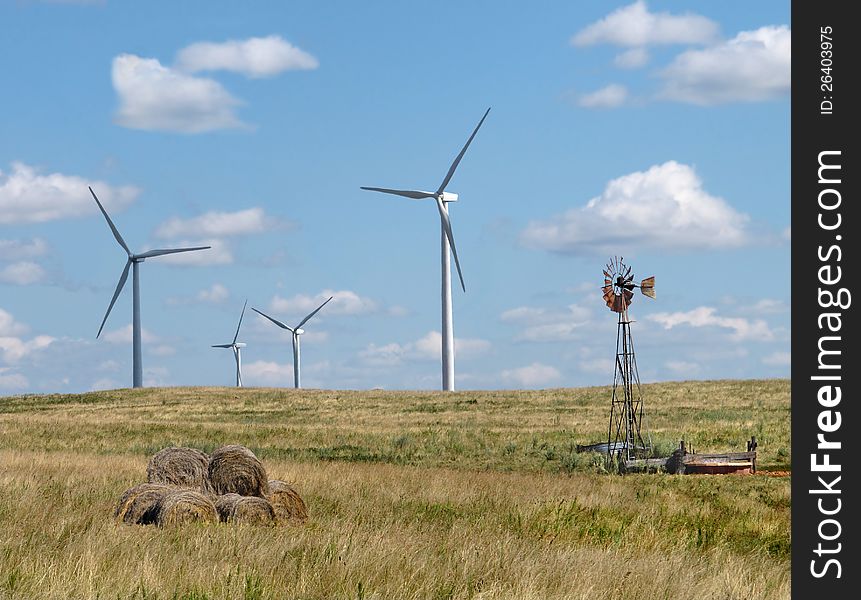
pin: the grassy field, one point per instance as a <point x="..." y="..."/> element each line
<point x="411" y="495"/>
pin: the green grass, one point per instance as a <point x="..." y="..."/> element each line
<point x="411" y="495"/>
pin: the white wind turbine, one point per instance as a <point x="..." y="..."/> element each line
<point x="296" y="331"/>
<point x="442" y="198"/>
<point x="133" y="261"/>
<point x="237" y="348"/>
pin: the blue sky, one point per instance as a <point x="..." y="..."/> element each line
<point x="654" y="130"/>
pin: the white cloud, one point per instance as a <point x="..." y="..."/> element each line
<point x="12" y="347"/>
<point x="753" y="66"/>
<point x="22" y="273"/>
<point x="123" y="335"/>
<point x="219" y="253"/>
<point x="534" y="375"/>
<point x="778" y="359"/>
<point x="611" y="96"/>
<point x="162" y="350"/>
<point x="218" y="224"/>
<point x="254" y="57"/>
<point x="634" y="25"/>
<point x="12" y="381"/>
<point x="544" y="325"/>
<point x="632" y="59"/>
<point x="664" y="207"/>
<point x="769" y="306"/>
<point x="428" y="347"/>
<point x="604" y="366"/>
<point x="155" y="97"/>
<point x="706" y="316"/>
<point x="263" y="372"/>
<point x="344" y="302"/>
<point x="19" y="249"/>
<point x="682" y="367"/>
<point x="26" y="196"/>
<point x="214" y="295"/>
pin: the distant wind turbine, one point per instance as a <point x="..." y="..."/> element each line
<point x="296" y="331"/>
<point x="237" y="348"/>
<point x="442" y="198"/>
<point x="133" y="261"/>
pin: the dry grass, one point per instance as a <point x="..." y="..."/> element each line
<point x="454" y="501"/>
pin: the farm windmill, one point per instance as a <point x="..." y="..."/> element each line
<point x="624" y="437"/>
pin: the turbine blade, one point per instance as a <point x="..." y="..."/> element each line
<point x="117" y="235"/>
<point x="456" y="162"/>
<point x="414" y="194"/>
<point x="305" y="320"/>
<point x="122" y="282"/>
<point x="222" y="346"/>
<point x="276" y="321"/>
<point x="242" y="314"/>
<point x="151" y="253"/>
<point x="443" y="215"/>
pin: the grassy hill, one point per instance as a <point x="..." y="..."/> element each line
<point x="411" y="495"/>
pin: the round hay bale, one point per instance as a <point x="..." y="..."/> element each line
<point x="184" y="467"/>
<point x="235" y="469"/>
<point x="139" y="504"/>
<point x="287" y="502"/>
<point x="249" y="510"/>
<point x="179" y="507"/>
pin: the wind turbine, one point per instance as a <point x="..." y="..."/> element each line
<point x="237" y="348"/>
<point x="296" y="331"/>
<point x="443" y="198"/>
<point x="133" y="261"/>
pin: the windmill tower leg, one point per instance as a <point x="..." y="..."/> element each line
<point x="137" y="366"/>
<point x="447" y="324"/>
<point x="296" y="382"/>
<point x="238" y="367"/>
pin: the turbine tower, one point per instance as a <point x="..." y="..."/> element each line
<point x="443" y="198"/>
<point x="296" y="331"/>
<point x="237" y="348"/>
<point x="133" y="261"/>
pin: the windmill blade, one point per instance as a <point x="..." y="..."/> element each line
<point x="222" y="345"/>
<point x="305" y="320"/>
<point x="414" y="194"/>
<point x="607" y="276"/>
<point x="276" y="321"/>
<point x="242" y="314"/>
<point x="122" y="282"/>
<point x="618" y="304"/>
<point x="629" y="296"/>
<point x="446" y="223"/>
<point x="456" y="162"/>
<point x="647" y="286"/>
<point x="117" y="235"/>
<point x="162" y="252"/>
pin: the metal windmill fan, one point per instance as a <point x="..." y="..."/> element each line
<point x="619" y="285"/>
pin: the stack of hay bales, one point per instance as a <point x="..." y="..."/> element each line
<point x="184" y="485"/>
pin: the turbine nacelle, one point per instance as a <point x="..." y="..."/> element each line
<point x="448" y="197"/>
<point x="299" y="331"/>
<point x="240" y="345"/>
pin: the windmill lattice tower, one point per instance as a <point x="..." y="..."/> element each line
<point x="624" y="437"/>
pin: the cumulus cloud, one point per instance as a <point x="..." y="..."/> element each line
<point x="22" y="249"/>
<point x="534" y="375"/>
<point x="634" y="25"/>
<point x="632" y="59"/>
<point x="213" y="295"/>
<point x="13" y="348"/>
<point x="344" y="302"/>
<point x="546" y="325"/>
<point x="778" y="359"/>
<point x="682" y="367"/>
<point x="428" y="347"/>
<point x="664" y="207"/>
<point x="218" y="224"/>
<point x="155" y="97"/>
<point x="753" y="66"/>
<point x="10" y="380"/>
<point x="264" y="372"/>
<point x="255" y="57"/>
<point x="611" y="96"/>
<point x="706" y="316"/>
<point x="27" y="196"/>
<point x="22" y="273"/>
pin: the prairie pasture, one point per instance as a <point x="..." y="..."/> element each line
<point x="474" y="494"/>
